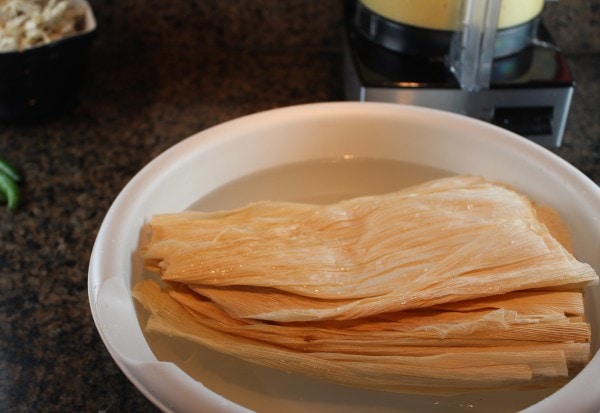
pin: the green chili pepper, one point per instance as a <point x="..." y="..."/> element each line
<point x="9" y="190"/>
<point x="9" y="170"/>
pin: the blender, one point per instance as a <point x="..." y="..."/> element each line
<point x="493" y="60"/>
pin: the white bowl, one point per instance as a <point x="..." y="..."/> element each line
<point x="180" y="377"/>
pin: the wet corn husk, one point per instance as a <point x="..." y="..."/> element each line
<point x="451" y="286"/>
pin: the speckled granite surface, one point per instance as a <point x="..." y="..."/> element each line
<point x="160" y="74"/>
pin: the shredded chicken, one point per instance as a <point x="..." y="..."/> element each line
<point x="29" y="23"/>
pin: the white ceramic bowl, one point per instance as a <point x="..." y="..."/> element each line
<point x="180" y="377"/>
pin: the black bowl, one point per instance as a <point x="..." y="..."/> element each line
<point x="48" y="79"/>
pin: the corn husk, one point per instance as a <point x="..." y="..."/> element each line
<point x="454" y="285"/>
<point x="374" y="355"/>
<point x="448" y="240"/>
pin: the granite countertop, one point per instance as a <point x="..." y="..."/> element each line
<point x="158" y="77"/>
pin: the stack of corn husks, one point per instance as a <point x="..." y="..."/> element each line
<point x="452" y="286"/>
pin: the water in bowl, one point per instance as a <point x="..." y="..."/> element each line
<point x="266" y="390"/>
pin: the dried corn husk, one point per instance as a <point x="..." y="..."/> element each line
<point x="448" y="240"/>
<point x="415" y="362"/>
<point x="454" y="285"/>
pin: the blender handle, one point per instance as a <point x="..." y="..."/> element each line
<point x="472" y="45"/>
